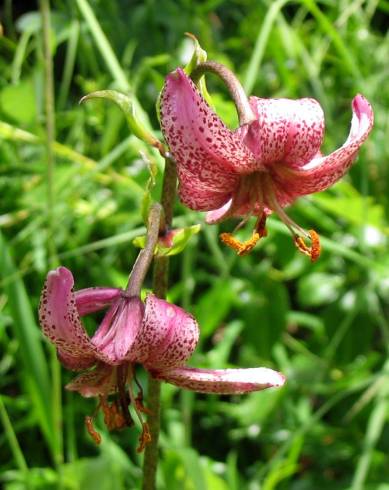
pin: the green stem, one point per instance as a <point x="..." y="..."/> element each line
<point x="187" y="397"/>
<point x="145" y="256"/>
<point x="234" y="86"/>
<point x="50" y="125"/>
<point x="160" y="286"/>
<point x="50" y="138"/>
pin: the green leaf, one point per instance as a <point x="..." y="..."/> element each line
<point x="319" y="288"/>
<point x="173" y="243"/>
<point x="147" y="199"/>
<point x="18" y="102"/>
<point x="199" y="56"/>
<point x="127" y="105"/>
<point x="215" y="304"/>
<point x="265" y="316"/>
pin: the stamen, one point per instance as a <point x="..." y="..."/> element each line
<point x="144" y="439"/>
<point x="298" y="233"/>
<point x="122" y="374"/>
<point x="145" y="436"/>
<point x="260" y="226"/>
<point x="314" y="250"/>
<point x="241" y="248"/>
<point x="315" y="245"/>
<point x="139" y="398"/>
<point x="91" y="430"/>
<point x="139" y="404"/>
<point x="114" y="417"/>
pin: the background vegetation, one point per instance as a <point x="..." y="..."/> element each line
<point x="324" y="325"/>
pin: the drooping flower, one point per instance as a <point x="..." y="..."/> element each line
<point x="261" y="167"/>
<point x="156" y="334"/>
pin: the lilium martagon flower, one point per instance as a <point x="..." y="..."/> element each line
<point x="266" y="164"/>
<point x="155" y="334"/>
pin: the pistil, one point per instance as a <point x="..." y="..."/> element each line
<point x="298" y="233"/>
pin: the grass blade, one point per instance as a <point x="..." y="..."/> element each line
<point x="30" y="346"/>
<point x="260" y="45"/>
<point x="13" y="442"/>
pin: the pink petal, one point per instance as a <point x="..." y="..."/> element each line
<point x="202" y="146"/>
<point x="168" y="335"/>
<point x="221" y="381"/>
<point x="99" y="381"/>
<point x="219" y="214"/>
<point x="115" y="336"/>
<point x="74" y="363"/>
<point x="60" y="321"/>
<point x="90" y="300"/>
<point x="287" y="131"/>
<point x="201" y="200"/>
<point x="322" y="172"/>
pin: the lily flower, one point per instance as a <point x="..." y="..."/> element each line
<point x="156" y="334"/>
<point x="263" y="166"/>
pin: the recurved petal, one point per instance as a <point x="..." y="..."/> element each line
<point x="99" y="381"/>
<point x="90" y="300"/>
<point x="202" y="195"/>
<point x="168" y="335"/>
<point x="194" y="197"/>
<point x="75" y="363"/>
<point x="287" y="131"/>
<point x="221" y="381"/>
<point x="60" y="321"/>
<point x="219" y="214"/>
<point x="198" y="139"/>
<point x="116" y="334"/>
<point x="322" y="172"/>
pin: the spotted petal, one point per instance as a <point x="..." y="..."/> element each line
<point x="322" y="172"/>
<point x="221" y="381"/>
<point x="61" y="323"/>
<point x="168" y="335"/>
<point x="117" y="332"/>
<point x="194" y="194"/>
<point x="100" y="381"/>
<point x="207" y="153"/>
<point x="219" y="214"/>
<point x="90" y="300"/>
<point x="287" y="131"/>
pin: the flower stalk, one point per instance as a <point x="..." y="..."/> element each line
<point x="145" y="257"/>
<point x="245" y="113"/>
<point x="160" y="286"/>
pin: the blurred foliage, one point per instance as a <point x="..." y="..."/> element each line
<point x="324" y="325"/>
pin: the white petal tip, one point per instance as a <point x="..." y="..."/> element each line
<point x="223" y="381"/>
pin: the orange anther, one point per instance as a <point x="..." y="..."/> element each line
<point x="314" y="250"/>
<point x="230" y="241"/>
<point x="140" y="407"/>
<point x="91" y="430"/>
<point x="114" y="418"/>
<point x="144" y="439"/>
<point x="315" y="245"/>
<point x="241" y="248"/>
